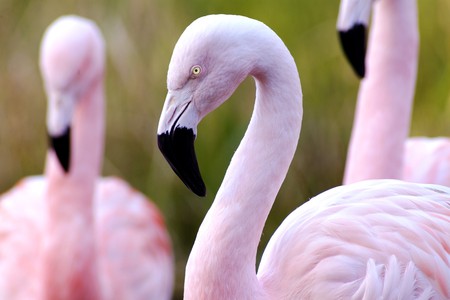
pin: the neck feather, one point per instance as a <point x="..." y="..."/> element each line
<point x="223" y="260"/>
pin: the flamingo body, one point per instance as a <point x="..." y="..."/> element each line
<point x="133" y="244"/>
<point x="375" y="238"/>
<point x="367" y="240"/>
<point x="70" y="234"/>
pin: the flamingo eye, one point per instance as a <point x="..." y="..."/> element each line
<point x="195" y="71"/>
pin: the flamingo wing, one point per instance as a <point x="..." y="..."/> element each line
<point x="21" y="216"/>
<point x="134" y="246"/>
<point x="378" y="237"/>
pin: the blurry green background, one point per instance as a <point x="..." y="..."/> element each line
<point x="140" y="36"/>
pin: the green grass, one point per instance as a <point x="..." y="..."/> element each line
<point x="140" y="36"/>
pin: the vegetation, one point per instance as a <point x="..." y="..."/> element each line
<point x="140" y="36"/>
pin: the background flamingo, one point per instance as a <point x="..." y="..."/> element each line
<point x="69" y="234"/>
<point x="379" y="147"/>
<point x="365" y="240"/>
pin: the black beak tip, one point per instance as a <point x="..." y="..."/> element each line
<point x="353" y="42"/>
<point x="200" y="191"/>
<point x="178" y="149"/>
<point x="61" y="145"/>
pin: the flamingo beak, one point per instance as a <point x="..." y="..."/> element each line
<point x="176" y="136"/>
<point x="61" y="146"/>
<point x="59" y="118"/>
<point x="353" y="42"/>
<point x="352" y="26"/>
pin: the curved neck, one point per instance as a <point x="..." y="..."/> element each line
<point x="223" y="259"/>
<point x="69" y="264"/>
<point x="385" y="98"/>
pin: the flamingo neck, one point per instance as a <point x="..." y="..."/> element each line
<point x="223" y="259"/>
<point x="69" y="266"/>
<point x="385" y="98"/>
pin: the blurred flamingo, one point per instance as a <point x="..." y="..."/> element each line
<point x="379" y="147"/>
<point x="69" y="234"/>
<point x="374" y="239"/>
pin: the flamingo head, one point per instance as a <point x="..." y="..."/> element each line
<point x="71" y="59"/>
<point x="211" y="58"/>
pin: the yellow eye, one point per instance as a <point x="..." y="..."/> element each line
<point x="196" y="70"/>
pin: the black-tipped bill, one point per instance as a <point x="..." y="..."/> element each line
<point x="61" y="145"/>
<point x="178" y="149"/>
<point x="353" y="43"/>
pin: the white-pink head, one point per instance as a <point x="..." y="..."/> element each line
<point x="212" y="57"/>
<point x="71" y="60"/>
<point x="209" y="61"/>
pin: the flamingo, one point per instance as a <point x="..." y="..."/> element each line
<point x="69" y="234"/>
<point x="379" y="147"/>
<point x="373" y="239"/>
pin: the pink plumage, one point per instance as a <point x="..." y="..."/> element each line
<point x="379" y="239"/>
<point x="375" y="238"/>
<point x="70" y="234"/>
<point x="427" y="160"/>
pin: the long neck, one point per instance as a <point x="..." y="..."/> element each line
<point x="385" y="98"/>
<point x="69" y="255"/>
<point x="223" y="259"/>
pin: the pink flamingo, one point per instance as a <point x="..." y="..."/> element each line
<point x="379" y="147"/>
<point x="69" y="234"/>
<point x="374" y="239"/>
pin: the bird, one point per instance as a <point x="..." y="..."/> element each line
<point x="69" y="234"/>
<point x="385" y="238"/>
<point x="379" y="146"/>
